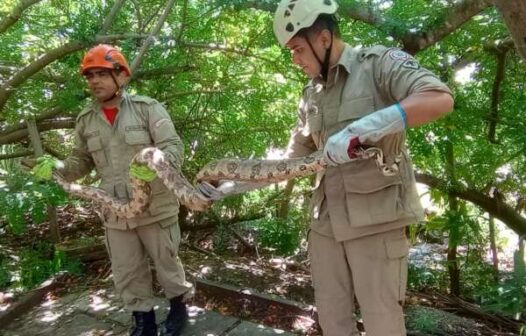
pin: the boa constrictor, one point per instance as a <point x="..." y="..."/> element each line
<point x="248" y="170"/>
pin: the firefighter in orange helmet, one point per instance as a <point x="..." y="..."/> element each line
<point x="102" y="57"/>
<point x="108" y="133"/>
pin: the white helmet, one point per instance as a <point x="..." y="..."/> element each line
<point x="294" y="15"/>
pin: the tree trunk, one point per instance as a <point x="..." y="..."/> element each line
<point x="493" y="247"/>
<point x="284" y="204"/>
<point x="452" y="262"/>
<point x="514" y="15"/>
<point x="454" y="232"/>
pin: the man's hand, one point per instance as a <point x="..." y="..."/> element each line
<point x="43" y="170"/>
<point x="341" y="146"/>
<point x="142" y="172"/>
<point x="215" y="193"/>
<point x="227" y="188"/>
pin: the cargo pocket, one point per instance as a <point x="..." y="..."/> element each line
<point x="175" y="238"/>
<point x="397" y="250"/>
<point x="371" y="197"/>
<point x="97" y="152"/>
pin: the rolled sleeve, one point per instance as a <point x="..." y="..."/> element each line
<point x="400" y="75"/>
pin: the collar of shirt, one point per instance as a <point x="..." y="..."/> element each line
<point x="96" y="106"/>
<point x="343" y="64"/>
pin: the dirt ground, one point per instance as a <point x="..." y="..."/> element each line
<point x="250" y="269"/>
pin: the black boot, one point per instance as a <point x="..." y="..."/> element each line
<point x="176" y="319"/>
<point x="144" y="324"/>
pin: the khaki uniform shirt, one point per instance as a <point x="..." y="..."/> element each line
<point x="141" y="122"/>
<point x="355" y="199"/>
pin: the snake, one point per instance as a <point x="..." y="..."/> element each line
<point x="230" y="169"/>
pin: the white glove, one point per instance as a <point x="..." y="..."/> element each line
<point x="341" y="146"/>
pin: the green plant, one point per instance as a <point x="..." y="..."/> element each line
<point x="38" y="263"/>
<point x="423" y="320"/>
<point x="509" y="296"/>
<point x="23" y="198"/>
<point x="221" y="239"/>
<point x="281" y="234"/>
<point x="421" y="278"/>
<point x="4" y="272"/>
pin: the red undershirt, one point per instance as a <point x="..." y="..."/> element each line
<point x="110" y="113"/>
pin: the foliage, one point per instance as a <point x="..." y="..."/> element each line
<point x="423" y="320"/>
<point x="4" y="271"/>
<point x="34" y="265"/>
<point x="23" y="200"/>
<point x="281" y="234"/>
<point x="424" y="278"/>
<point x="221" y="239"/>
<point x="509" y="295"/>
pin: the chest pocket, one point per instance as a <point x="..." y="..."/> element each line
<point x="97" y="152"/>
<point x="336" y="117"/>
<point x="138" y="139"/>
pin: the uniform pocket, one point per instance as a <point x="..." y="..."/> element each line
<point x="163" y="202"/>
<point x="137" y="139"/>
<point x="338" y="117"/>
<point x="97" y="152"/>
<point x="371" y="197"/>
<point x="397" y="250"/>
<point x="355" y="108"/>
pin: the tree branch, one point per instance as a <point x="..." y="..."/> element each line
<point x="16" y="155"/>
<point x="21" y="76"/>
<point x="52" y="112"/>
<point x="42" y="126"/>
<point x="108" y="21"/>
<point x="182" y="26"/>
<point x="175" y="95"/>
<point x="495" y="206"/>
<point x="453" y="17"/>
<point x="149" y="40"/>
<point x="495" y="97"/>
<point x="166" y="71"/>
<point x="11" y="18"/>
<point x="413" y="42"/>
<point x="514" y="15"/>
<point x="214" y="46"/>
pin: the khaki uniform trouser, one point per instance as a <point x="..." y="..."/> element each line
<point x="129" y="251"/>
<point x="374" y="268"/>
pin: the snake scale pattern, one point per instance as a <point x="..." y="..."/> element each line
<point x="249" y="170"/>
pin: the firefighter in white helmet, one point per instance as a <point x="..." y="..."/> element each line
<point x="356" y="99"/>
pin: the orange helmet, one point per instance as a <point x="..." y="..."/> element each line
<point x="104" y="56"/>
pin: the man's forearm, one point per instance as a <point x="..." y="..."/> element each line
<point x="424" y="107"/>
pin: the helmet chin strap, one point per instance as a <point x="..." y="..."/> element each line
<point x="118" y="92"/>
<point x="325" y="64"/>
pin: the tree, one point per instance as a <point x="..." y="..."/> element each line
<point x="221" y="74"/>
